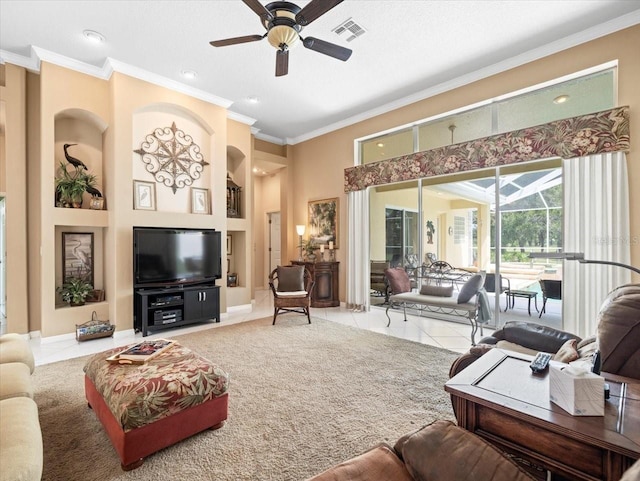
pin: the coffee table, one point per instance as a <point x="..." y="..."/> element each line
<point x="513" y="293"/>
<point x="498" y="398"/>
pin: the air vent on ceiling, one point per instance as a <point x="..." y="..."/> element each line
<point x="350" y="29"/>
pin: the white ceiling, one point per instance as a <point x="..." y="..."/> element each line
<point x="411" y="49"/>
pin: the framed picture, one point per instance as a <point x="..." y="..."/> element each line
<point x="199" y="201"/>
<point x="77" y="256"/>
<point x="144" y="195"/>
<point x="323" y="221"/>
<point x="229" y="244"/>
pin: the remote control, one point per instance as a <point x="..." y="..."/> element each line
<point x="540" y="362"/>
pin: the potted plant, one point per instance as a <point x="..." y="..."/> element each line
<point x="309" y="248"/>
<point x="71" y="186"/>
<point x="75" y="291"/>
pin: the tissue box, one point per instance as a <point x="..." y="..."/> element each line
<point x="577" y="391"/>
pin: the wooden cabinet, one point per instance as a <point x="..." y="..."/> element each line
<point x="172" y="307"/>
<point x="327" y="288"/>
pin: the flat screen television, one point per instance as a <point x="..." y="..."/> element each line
<point x="175" y="256"/>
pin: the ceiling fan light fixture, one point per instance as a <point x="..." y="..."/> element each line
<point x="280" y="35"/>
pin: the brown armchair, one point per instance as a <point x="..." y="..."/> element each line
<point x="378" y="281"/>
<point x="291" y="287"/>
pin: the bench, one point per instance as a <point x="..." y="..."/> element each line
<point x="474" y="308"/>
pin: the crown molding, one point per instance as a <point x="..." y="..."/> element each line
<point x="110" y="65"/>
<point x="267" y="138"/>
<point x="31" y="63"/>
<point x="243" y="119"/>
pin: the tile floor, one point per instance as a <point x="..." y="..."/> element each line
<point x="450" y="335"/>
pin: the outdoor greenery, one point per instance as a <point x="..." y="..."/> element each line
<point x="524" y="231"/>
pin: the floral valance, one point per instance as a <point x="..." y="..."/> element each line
<point x="606" y="131"/>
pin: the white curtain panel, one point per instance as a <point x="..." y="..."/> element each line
<point x="358" y="251"/>
<point x="596" y="222"/>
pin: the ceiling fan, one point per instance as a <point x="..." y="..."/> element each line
<point x="284" y="22"/>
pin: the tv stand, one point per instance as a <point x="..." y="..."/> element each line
<point x="168" y="307"/>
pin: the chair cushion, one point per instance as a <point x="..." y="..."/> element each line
<point x="439" y="291"/>
<point x="567" y="352"/>
<point x="15" y="380"/>
<point x="398" y="280"/>
<point x="470" y="288"/>
<point x="13" y="348"/>
<point x="290" y="278"/>
<point x="21" y="450"/>
<point x="442" y="451"/>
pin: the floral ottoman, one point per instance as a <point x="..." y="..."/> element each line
<point x="147" y="407"/>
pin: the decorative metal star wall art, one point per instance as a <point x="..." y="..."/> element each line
<point x="172" y="157"/>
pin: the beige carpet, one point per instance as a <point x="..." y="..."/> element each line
<point x="302" y="398"/>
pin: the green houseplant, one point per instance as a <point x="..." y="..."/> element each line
<point x="309" y="248"/>
<point x="71" y="186"/>
<point x="75" y="291"/>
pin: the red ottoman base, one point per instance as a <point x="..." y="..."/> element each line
<point x="134" y="445"/>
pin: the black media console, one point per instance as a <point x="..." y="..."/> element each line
<point x="164" y="308"/>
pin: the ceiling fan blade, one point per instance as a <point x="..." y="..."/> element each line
<point x="327" y="48"/>
<point x="236" y="40"/>
<point x="260" y="9"/>
<point x="282" y="63"/>
<point x="314" y="9"/>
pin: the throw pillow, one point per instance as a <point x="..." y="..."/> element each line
<point x="398" y="280"/>
<point x="290" y="278"/>
<point x="568" y="352"/>
<point x="439" y="291"/>
<point x="442" y="451"/>
<point x="470" y="288"/>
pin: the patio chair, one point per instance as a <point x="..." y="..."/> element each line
<point x="551" y="289"/>
<point x="490" y="286"/>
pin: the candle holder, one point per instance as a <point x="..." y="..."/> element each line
<point x="332" y="255"/>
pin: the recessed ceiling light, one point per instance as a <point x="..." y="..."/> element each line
<point x="560" y="99"/>
<point x="189" y="74"/>
<point x="380" y="144"/>
<point x="252" y="99"/>
<point x="93" y="36"/>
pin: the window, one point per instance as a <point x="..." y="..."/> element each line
<point x="401" y="234"/>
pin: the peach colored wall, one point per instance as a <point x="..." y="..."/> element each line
<point x="14" y="187"/>
<point x="319" y="163"/>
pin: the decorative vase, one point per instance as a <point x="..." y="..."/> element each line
<point x="311" y="257"/>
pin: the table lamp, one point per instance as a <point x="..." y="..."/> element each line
<point x="300" y="231"/>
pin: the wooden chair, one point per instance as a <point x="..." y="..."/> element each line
<point x="291" y="287"/>
<point x="551" y="289"/>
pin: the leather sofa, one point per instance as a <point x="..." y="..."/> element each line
<point x="21" y="450"/>
<point x="617" y="337"/>
<point x="440" y="451"/>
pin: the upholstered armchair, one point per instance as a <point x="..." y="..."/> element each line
<point x="291" y="287"/>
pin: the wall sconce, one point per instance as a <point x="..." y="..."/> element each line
<point x="578" y="256"/>
<point x="300" y="231"/>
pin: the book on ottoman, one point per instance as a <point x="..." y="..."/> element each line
<point x="141" y="352"/>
